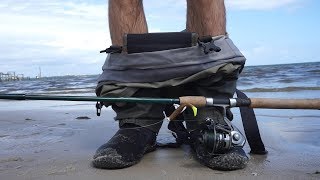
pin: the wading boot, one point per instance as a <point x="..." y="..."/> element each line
<point x="125" y="148"/>
<point x="231" y="159"/>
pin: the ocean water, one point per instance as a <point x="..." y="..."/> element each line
<point x="282" y="128"/>
<point x="280" y="78"/>
<point x="263" y="79"/>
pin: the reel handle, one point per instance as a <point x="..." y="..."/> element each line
<point x="177" y="112"/>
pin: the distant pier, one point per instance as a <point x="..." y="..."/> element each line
<point x="12" y="76"/>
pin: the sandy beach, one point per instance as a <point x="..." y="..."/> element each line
<point x="56" y="140"/>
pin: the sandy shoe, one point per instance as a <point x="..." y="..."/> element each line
<point x="231" y="159"/>
<point x="125" y="148"/>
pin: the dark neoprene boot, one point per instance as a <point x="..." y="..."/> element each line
<point x="233" y="159"/>
<point x="125" y="148"/>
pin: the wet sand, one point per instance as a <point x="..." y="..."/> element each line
<point x="55" y="140"/>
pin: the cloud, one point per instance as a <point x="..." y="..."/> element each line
<point x="260" y="4"/>
<point x="59" y="35"/>
<point x="262" y="54"/>
<point x="167" y="15"/>
<point x="53" y="33"/>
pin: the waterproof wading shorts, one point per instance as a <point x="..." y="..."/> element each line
<point x="168" y="74"/>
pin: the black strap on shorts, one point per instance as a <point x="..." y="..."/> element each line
<point x="150" y="42"/>
<point x="251" y="128"/>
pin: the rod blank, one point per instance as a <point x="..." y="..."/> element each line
<point x="89" y="98"/>
<point x="198" y="101"/>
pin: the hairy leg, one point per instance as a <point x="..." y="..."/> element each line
<point x="206" y="17"/>
<point x="126" y="16"/>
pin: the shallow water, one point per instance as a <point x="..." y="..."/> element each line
<point x="269" y="78"/>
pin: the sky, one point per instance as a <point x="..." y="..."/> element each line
<point x="64" y="37"/>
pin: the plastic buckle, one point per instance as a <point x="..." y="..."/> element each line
<point x="99" y="107"/>
<point x="209" y="47"/>
<point x="112" y="49"/>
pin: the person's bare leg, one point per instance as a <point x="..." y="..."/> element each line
<point x="126" y="16"/>
<point x="132" y="140"/>
<point x="206" y="17"/>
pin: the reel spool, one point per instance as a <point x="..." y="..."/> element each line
<point x="221" y="139"/>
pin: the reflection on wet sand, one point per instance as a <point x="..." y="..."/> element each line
<point x="52" y="143"/>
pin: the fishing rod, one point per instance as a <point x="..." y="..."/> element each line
<point x="215" y="138"/>
<point x="197" y="101"/>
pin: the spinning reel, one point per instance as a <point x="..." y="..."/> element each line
<point x="219" y="138"/>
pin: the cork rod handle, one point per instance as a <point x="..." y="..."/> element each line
<point x="285" y="103"/>
<point x="198" y="101"/>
